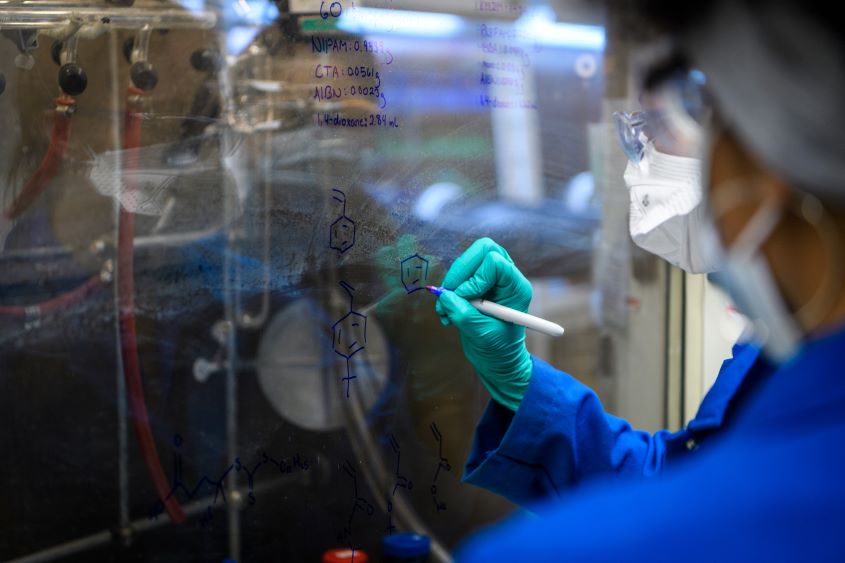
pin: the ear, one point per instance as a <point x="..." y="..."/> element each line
<point x="738" y="184"/>
<point x="774" y="188"/>
<point x="731" y="161"/>
<point x="727" y="160"/>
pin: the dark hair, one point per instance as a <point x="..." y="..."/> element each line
<point x="671" y="16"/>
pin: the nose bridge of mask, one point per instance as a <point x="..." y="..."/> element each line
<point x="681" y="169"/>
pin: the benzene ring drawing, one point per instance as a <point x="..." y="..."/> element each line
<point x="342" y="231"/>
<point x="349" y="335"/>
<point x="414" y="273"/>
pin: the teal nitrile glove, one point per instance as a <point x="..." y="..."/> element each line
<point x="495" y="348"/>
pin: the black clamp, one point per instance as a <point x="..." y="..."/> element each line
<point x="72" y="78"/>
<point x="142" y="73"/>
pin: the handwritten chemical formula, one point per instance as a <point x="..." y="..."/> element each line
<point x="400" y="482"/>
<point x="359" y="83"/>
<point x="359" y="505"/>
<point x="442" y="464"/>
<point x="349" y="335"/>
<point x="342" y="231"/>
<point x="414" y="273"/>
<point x="267" y="464"/>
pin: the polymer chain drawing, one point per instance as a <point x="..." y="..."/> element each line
<point x="284" y="466"/>
<point x="360" y="505"/>
<point x="362" y="508"/>
<point x="400" y="482"/>
<point x="442" y="464"/>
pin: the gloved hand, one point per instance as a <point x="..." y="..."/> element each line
<point x="495" y="348"/>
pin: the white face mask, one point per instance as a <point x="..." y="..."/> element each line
<point x="666" y="213"/>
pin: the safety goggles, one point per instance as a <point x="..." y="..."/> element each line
<point x="675" y="113"/>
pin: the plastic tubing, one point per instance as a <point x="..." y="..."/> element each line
<point x="51" y="161"/>
<point x="125" y="282"/>
<point x="54" y="304"/>
<point x="126" y="315"/>
<point x="30" y="192"/>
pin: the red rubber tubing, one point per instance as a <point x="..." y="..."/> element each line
<point x="126" y="315"/>
<point x="30" y="192"/>
<point x="51" y="161"/>
<point x="55" y="303"/>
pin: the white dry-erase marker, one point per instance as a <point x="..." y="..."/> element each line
<point x="509" y="315"/>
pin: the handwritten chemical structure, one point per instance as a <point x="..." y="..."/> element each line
<point x="342" y="231"/>
<point x="359" y="504"/>
<point x="401" y="482"/>
<point x="414" y="273"/>
<point x="284" y="466"/>
<point x="443" y="463"/>
<point x="349" y="335"/>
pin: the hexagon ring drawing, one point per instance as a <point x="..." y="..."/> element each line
<point x="414" y="273"/>
<point x="350" y="334"/>
<point x="342" y="234"/>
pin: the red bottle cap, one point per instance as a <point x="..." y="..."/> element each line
<point x="345" y="555"/>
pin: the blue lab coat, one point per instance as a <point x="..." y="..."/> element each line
<point x="758" y="475"/>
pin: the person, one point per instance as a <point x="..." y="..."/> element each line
<point x="756" y="474"/>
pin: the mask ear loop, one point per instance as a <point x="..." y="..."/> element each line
<point x="761" y="226"/>
<point x="813" y="312"/>
<point x="758" y="229"/>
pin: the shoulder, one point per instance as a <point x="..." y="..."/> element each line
<point x="742" y="500"/>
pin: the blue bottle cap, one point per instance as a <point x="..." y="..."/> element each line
<point x="406" y="544"/>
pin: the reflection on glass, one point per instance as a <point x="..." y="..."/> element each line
<point x="211" y="336"/>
